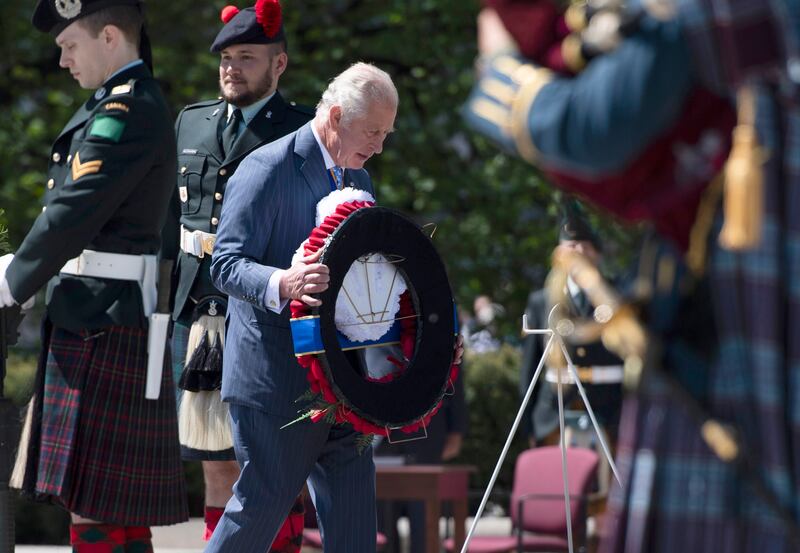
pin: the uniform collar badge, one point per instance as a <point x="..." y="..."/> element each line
<point x="100" y="93"/>
<point x="68" y="9"/>
<point x="269" y="115"/>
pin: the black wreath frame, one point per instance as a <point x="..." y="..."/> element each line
<point x="422" y="385"/>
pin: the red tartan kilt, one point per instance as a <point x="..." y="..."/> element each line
<point x="107" y="453"/>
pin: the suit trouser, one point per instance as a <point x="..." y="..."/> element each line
<point x="276" y="462"/>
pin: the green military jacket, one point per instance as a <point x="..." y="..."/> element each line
<point x="203" y="173"/>
<point x="108" y="188"/>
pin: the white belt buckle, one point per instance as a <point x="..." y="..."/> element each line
<point x="197" y="243"/>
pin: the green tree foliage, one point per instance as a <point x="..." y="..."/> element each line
<point x="495" y="219"/>
<point x="5" y="247"/>
<point x="491" y="388"/>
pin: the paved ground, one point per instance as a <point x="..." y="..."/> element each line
<point x="186" y="537"/>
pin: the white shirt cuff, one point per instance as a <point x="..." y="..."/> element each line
<point x="274" y="302"/>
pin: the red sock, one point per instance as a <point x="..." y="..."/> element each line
<point x="290" y="536"/>
<point x="138" y="539"/>
<point x="212" y="516"/>
<point x="97" y="538"/>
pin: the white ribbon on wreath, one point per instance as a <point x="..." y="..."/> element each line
<point x="369" y="298"/>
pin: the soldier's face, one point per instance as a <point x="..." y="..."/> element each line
<point x="356" y="140"/>
<point x="249" y="72"/>
<point x="84" y="55"/>
<point x="584" y="247"/>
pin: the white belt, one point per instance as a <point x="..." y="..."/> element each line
<point x="604" y="374"/>
<point x="197" y="242"/>
<point x="142" y="269"/>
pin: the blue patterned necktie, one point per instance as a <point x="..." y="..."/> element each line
<point x="338" y="177"/>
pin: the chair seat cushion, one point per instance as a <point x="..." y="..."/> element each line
<point x="486" y="544"/>
<point x="506" y="544"/>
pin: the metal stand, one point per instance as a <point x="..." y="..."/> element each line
<point x="555" y="340"/>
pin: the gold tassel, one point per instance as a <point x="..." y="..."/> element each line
<point x="744" y="181"/>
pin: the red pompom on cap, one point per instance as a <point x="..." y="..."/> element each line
<point x="268" y="14"/>
<point x="228" y="13"/>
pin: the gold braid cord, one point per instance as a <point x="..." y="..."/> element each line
<point x="529" y="80"/>
<point x="615" y="323"/>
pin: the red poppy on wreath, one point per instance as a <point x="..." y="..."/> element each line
<point x="388" y="292"/>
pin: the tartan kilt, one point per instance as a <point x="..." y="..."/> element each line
<point x="180" y="341"/>
<point x="106" y="453"/>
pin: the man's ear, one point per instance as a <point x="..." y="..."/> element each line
<point x="335" y="117"/>
<point x="280" y="63"/>
<point x="110" y="35"/>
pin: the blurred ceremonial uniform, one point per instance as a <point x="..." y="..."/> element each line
<point x="213" y="138"/>
<point x="600" y="370"/>
<point x="96" y="445"/>
<point x="706" y="446"/>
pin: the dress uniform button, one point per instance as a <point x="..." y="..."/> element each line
<point x="223" y="172"/>
<point x="581" y="352"/>
<point x="214" y="221"/>
<point x="69" y="158"/>
<point x="44" y="208"/>
<point x="218" y="196"/>
<point x="50" y="184"/>
<point x="56" y="157"/>
<point x="183" y="170"/>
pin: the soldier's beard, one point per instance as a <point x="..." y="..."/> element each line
<point x="252" y="94"/>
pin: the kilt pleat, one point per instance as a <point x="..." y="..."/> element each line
<point x="677" y="496"/>
<point x="107" y="453"/>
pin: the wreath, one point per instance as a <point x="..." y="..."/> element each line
<point x="388" y="286"/>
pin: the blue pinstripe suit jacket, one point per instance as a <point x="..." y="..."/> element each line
<point x="269" y="210"/>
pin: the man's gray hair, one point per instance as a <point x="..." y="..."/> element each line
<point x="356" y="89"/>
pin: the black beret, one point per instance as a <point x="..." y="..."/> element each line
<point x="575" y="226"/>
<point x="261" y="24"/>
<point x="55" y="15"/>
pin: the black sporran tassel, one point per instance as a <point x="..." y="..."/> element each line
<point x="213" y="364"/>
<point x="193" y="376"/>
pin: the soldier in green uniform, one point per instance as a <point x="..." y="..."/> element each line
<point x="213" y="138"/>
<point x="97" y="445"/>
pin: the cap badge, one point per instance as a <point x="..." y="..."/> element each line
<point x="68" y="9"/>
<point x="212" y="309"/>
<point x="100" y="93"/>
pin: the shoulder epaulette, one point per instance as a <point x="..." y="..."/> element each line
<point x="126" y="88"/>
<point x="204" y="104"/>
<point x="306" y="110"/>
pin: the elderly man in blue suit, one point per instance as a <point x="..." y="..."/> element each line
<point x="268" y="212"/>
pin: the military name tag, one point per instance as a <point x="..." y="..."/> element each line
<point x="117" y="105"/>
<point x="184" y="194"/>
